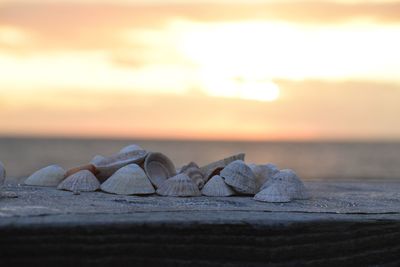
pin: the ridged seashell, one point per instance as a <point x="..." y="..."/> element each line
<point x="194" y="172"/>
<point x="108" y="166"/>
<point x="263" y="172"/>
<point x="49" y="176"/>
<point x="289" y="180"/>
<point x="97" y="159"/>
<point x="215" y="168"/>
<point x="216" y="187"/>
<point x="2" y="174"/>
<point x="88" y="167"/>
<point x="276" y="192"/>
<point x="130" y="148"/>
<point x="129" y="180"/>
<point x="179" y="186"/>
<point x="82" y="181"/>
<point x="158" y="168"/>
<point x="238" y="175"/>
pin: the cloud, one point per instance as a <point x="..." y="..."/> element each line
<point x="94" y="25"/>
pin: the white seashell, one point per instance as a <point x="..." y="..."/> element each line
<point x="289" y="179"/>
<point x="179" y="186"/>
<point x="2" y="174"/>
<point x="49" y="176"/>
<point x="97" y="159"/>
<point x="82" y="181"/>
<point x="216" y="187"/>
<point x="130" y="148"/>
<point x="108" y="166"/>
<point x="194" y="172"/>
<point x="276" y="192"/>
<point x="263" y="172"/>
<point x="158" y="168"/>
<point x="238" y="175"/>
<point x="215" y="168"/>
<point x="129" y="180"/>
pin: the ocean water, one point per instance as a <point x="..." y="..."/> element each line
<point x="311" y="160"/>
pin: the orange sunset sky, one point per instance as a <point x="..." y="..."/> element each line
<point x="247" y="70"/>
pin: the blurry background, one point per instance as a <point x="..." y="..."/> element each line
<point x="310" y="85"/>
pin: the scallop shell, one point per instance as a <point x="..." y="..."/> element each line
<point x="131" y="148"/>
<point x="216" y="187"/>
<point x="158" y="168"/>
<point x="179" y="186"/>
<point x="108" y="166"/>
<point x="194" y="172"/>
<point x="82" y="181"/>
<point x="238" y="175"/>
<point x="97" y="159"/>
<point x="49" y="176"/>
<point x="2" y="174"/>
<point x="88" y="167"/>
<point x="263" y="172"/>
<point x="289" y="179"/>
<point x="215" y="168"/>
<point x="276" y="192"/>
<point x="129" y="180"/>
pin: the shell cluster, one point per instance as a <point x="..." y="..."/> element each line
<point x="135" y="171"/>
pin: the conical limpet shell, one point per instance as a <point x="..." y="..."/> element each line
<point x="82" y="181"/>
<point x="263" y="172"/>
<point x="158" y="168"/>
<point x="49" y="176"/>
<point x="276" y="192"/>
<point x="215" y="168"/>
<point x="292" y="183"/>
<point x="130" y="148"/>
<point x="238" y="175"/>
<point x="2" y="174"/>
<point x="194" y="172"/>
<point x="88" y="167"/>
<point x="216" y="187"/>
<point x="179" y="186"/>
<point x="108" y="166"/>
<point x="129" y="180"/>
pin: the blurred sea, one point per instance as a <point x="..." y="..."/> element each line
<point x="311" y="160"/>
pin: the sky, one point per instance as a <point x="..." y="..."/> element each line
<point x="231" y="70"/>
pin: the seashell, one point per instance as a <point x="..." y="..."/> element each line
<point x="158" y="168"/>
<point x="88" y="167"/>
<point x="130" y="148"/>
<point x="263" y="172"/>
<point x="129" y="180"/>
<point x="291" y="182"/>
<point x="82" y="181"/>
<point x="97" y="159"/>
<point x="49" y="176"/>
<point x="238" y="175"/>
<point x="2" y="174"/>
<point x="194" y="172"/>
<point x="215" y="168"/>
<point x="276" y="192"/>
<point x="216" y="187"/>
<point x="108" y="166"/>
<point x="180" y="185"/>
